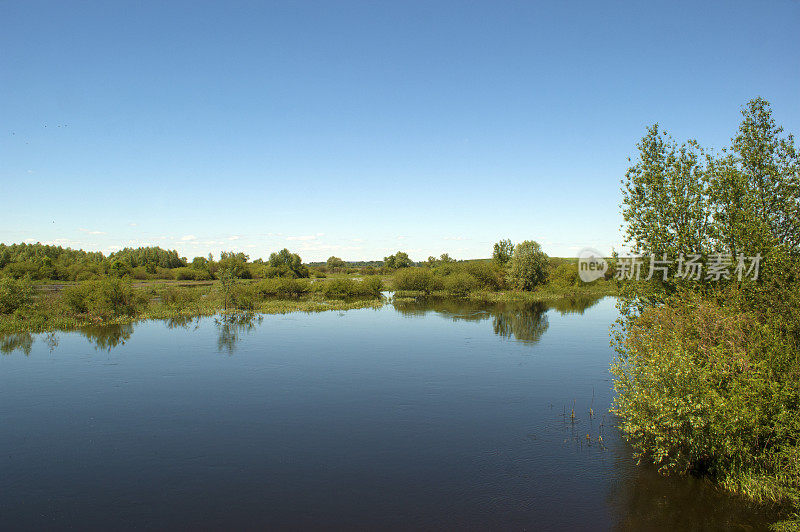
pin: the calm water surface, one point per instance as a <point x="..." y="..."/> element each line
<point x="414" y="416"/>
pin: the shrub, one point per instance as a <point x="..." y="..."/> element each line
<point x="179" y="298"/>
<point x="242" y="297"/>
<point x="415" y="279"/>
<point x="339" y="288"/>
<point x="695" y="392"/>
<point x="460" y="284"/>
<point x="15" y="294"/>
<point x="489" y="276"/>
<point x="565" y="274"/>
<point x="104" y="298"/>
<point x="282" y="287"/>
<point x="348" y="288"/>
<point x="191" y="274"/>
<point x="371" y="286"/>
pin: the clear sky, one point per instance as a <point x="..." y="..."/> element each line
<point x="362" y="128"/>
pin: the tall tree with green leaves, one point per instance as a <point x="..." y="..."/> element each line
<point x="503" y="251"/>
<point x="528" y="265"/>
<point x="756" y="186"/>
<point x="398" y="260"/>
<point x="665" y="197"/>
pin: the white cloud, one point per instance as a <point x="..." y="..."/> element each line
<point x="402" y="237"/>
<point x="234" y="237"/>
<point x="456" y="238"/>
<point x="186" y="238"/>
<point x="304" y="237"/>
<point x="133" y="224"/>
<point x="91" y="232"/>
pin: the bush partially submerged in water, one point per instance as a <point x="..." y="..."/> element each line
<point x="14" y="294"/>
<point x="699" y="388"/>
<point x="282" y="287"/>
<point x="460" y="284"/>
<point x="104" y="298"/>
<point x="345" y="288"/>
<point x="417" y="280"/>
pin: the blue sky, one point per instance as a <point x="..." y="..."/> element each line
<point x="358" y="129"/>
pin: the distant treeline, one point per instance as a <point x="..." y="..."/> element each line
<point x="523" y="266"/>
<point x="46" y="262"/>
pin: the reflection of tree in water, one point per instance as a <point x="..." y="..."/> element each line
<point x="24" y="342"/>
<point x="107" y="336"/>
<point x="574" y="304"/>
<point x="182" y="322"/>
<point x="232" y="326"/>
<point x="526" y="324"/>
<point x="16" y="341"/>
<point x="643" y="499"/>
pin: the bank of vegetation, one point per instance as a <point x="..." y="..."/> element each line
<point x="708" y="370"/>
<point x="47" y="287"/>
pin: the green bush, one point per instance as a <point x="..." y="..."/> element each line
<point x="697" y="391"/>
<point x="460" y="284"/>
<point x="104" y="298"/>
<point x="282" y="287"/>
<point x="565" y="274"/>
<point x="179" y="298"/>
<point x="416" y="279"/>
<point x="371" y="286"/>
<point x="15" y="294"/>
<point x="191" y="274"/>
<point x="344" y="288"/>
<point x="243" y="297"/>
<point x="488" y="275"/>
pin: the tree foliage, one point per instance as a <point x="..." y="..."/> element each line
<point x="528" y="265"/>
<point x="503" y="250"/>
<point x="398" y="260"/>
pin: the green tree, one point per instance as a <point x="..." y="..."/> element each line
<point x="285" y="261"/>
<point x="398" y="260"/>
<point x="528" y="265"/>
<point x="755" y="189"/>
<point x="503" y="251"/>
<point x="334" y="262"/>
<point x="665" y="197"/>
<point x="234" y="264"/>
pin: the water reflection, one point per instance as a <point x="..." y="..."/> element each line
<point x="16" y="342"/>
<point x="107" y="337"/>
<point x="231" y="327"/>
<point x="526" y="324"/>
<point x="182" y="322"/>
<point x="643" y="499"/>
<point x="523" y="321"/>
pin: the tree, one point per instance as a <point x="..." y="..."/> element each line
<point x="335" y="262"/>
<point x="756" y="188"/>
<point x="285" y="261"/>
<point x="503" y="251"/>
<point x="398" y="260"/>
<point x="528" y="265"/>
<point x="227" y="281"/>
<point x="665" y="197"/>
<point x="234" y="264"/>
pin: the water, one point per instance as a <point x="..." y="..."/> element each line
<point x="423" y="416"/>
